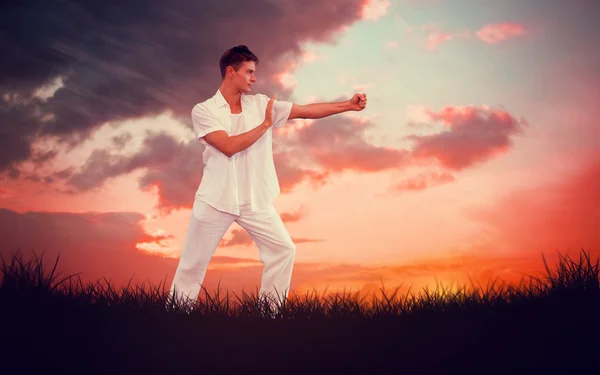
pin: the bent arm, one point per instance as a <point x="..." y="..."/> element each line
<point x="319" y="110"/>
<point x="231" y="145"/>
<point x="207" y="127"/>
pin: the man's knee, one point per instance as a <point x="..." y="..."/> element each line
<point x="290" y="248"/>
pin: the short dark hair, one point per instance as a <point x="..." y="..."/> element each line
<point x="235" y="57"/>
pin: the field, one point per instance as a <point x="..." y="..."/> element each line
<point x="55" y="324"/>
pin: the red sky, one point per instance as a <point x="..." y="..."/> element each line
<point x="477" y="154"/>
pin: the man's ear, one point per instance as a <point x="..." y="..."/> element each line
<point x="229" y="70"/>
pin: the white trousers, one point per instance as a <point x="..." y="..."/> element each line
<point x="206" y="229"/>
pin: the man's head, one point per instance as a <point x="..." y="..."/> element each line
<point x="238" y="65"/>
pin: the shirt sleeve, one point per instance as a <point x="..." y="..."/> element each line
<point x="281" y="111"/>
<point x="204" y="122"/>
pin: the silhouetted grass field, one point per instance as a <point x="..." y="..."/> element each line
<point x="54" y="324"/>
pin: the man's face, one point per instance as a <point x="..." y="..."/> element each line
<point x="244" y="77"/>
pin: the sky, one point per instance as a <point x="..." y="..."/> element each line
<point x="476" y="156"/>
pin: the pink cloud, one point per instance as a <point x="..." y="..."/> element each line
<point x="434" y="39"/>
<point x="374" y="9"/>
<point x="285" y="77"/>
<point x="423" y="181"/>
<point x="491" y="33"/>
<point x="474" y="135"/>
<point x="496" y="33"/>
<point x="333" y="145"/>
<point x="290" y="174"/>
<point x="290" y="217"/>
<point x="338" y="143"/>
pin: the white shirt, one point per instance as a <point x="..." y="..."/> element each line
<point x="220" y="182"/>
<point x="241" y="163"/>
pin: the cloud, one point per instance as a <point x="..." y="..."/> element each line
<point x="173" y="168"/>
<point x="121" y="140"/>
<point x="290" y="175"/>
<point x="239" y="237"/>
<point x="423" y="181"/>
<point x="473" y="135"/>
<point x="499" y="32"/>
<point x="374" y="9"/>
<point x="69" y="69"/>
<point x="491" y="34"/>
<point x="434" y="39"/>
<point x="96" y="244"/>
<point x="291" y="217"/>
<point x="103" y="245"/>
<point x="309" y="153"/>
<point x="336" y="144"/>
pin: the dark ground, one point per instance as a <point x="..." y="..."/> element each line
<point x="558" y="336"/>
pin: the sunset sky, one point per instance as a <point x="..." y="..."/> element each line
<point x="478" y="152"/>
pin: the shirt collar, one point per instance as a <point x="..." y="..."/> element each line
<point x="220" y="99"/>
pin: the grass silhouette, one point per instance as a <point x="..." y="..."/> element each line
<point x="57" y="323"/>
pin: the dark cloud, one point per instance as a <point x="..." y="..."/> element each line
<point x="474" y="135"/>
<point x="128" y="60"/>
<point x="121" y="140"/>
<point x="64" y="174"/>
<point x="173" y="168"/>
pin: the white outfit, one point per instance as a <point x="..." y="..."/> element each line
<point x="219" y="185"/>
<point x="237" y="189"/>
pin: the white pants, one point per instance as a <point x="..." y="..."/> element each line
<point x="206" y="229"/>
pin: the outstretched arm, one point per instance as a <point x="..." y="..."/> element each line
<point x="320" y="110"/>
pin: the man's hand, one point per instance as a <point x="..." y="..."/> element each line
<point x="231" y="145"/>
<point x="269" y="113"/>
<point x="358" y="102"/>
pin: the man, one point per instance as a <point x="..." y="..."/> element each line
<point x="239" y="183"/>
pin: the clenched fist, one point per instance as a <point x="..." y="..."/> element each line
<point x="358" y="102"/>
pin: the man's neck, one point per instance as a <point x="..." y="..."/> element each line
<point x="231" y="95"/>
